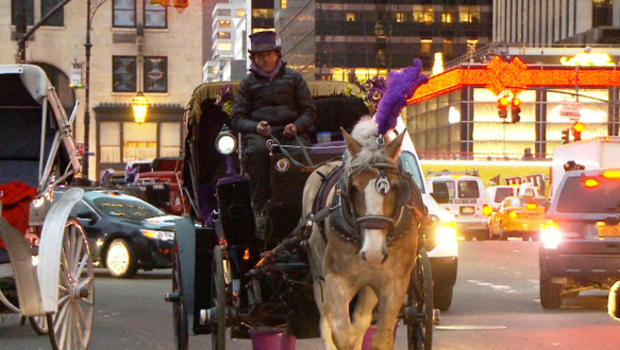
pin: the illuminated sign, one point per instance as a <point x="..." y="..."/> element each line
<point x="589" y="59"/>
<point x="438" y="63"/>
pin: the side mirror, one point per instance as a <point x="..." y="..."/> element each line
<point x="87" y="215"/>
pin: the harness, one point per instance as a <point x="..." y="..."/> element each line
<point x="342" y="216"/>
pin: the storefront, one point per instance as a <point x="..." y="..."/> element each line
<point x="455" y="115"/>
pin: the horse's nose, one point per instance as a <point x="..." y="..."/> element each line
<point x="375" y="261"/>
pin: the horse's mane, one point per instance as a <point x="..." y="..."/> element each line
<point x="365" y="132"/>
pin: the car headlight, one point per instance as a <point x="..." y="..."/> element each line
<point x="159" y="235"/>
<point x="226" y="143"/>
<point x="550" y="235"/>
<point x="446" y="233"/>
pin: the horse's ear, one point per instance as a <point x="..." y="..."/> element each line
<point x="392" y="148"/>
<point x="353" y="146"/>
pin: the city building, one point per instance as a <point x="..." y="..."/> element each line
<point x="136" y="48"/>
<point x="356" y="40"/>
<point x="458" y="113"/>
<point x="546" y="22"/>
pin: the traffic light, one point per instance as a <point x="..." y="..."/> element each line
<point x="515" y="109"/>
<point x="502" y="107"/>
<point x="577" y="128"/>
<point x="565" y="136"/>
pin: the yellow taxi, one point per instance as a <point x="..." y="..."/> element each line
<point x="518" y="216"/>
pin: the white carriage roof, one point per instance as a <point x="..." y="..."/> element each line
<point x="33" y="77"/>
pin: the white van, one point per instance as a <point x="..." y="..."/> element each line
<point x="444" y="252"/>
<point x="467" y="200"/>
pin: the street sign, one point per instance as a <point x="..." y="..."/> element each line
<point x="571" y="110"/>
<point x="75" y="75"/>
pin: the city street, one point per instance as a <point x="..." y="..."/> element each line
<point x="495" y="306"/>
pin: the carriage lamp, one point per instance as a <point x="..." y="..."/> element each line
<point x="226" y="143"/>
<point x="139" y="105"/>
<point x="446" y="233"/>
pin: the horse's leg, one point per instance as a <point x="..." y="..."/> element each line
<point x="325" y="322"/>
<point x="338" y="295"/>
<point x="362" y="314"/>
<point x="391" y="301"/>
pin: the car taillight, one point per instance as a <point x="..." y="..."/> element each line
<point x="487" y="210"/>
<point x="531" y="206"/>
<point x="591" y="183"/>
<point x="512" y="215"/>
<point x="611" y="174"/>
<point x="550" y="235"/>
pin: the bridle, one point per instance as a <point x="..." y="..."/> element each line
<point x="345" y="221"/>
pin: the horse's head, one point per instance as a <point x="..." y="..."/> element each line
<point x="379" y="195"/>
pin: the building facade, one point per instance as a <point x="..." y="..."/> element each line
<point x="136" y="47"/>
<point x="455" y="115"/>
<point x="545" y="22"/>
<point x="356" y="40"/>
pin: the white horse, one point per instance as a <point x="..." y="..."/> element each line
<point x="367" y="245"/>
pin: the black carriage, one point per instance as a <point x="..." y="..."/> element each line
<point x="226" y="277"/>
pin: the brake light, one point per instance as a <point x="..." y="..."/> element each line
<point x="550" y="235"/>
<point x="612" y="174"/>
<point x="487" y="210"/>
<point x="591" y="183"/>
<point x="512" y="215"/>
<point x="531" y="206"/>
<point x="246" y="254"/>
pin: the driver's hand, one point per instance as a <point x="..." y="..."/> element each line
<point x="263" y="128"/>
<point x="290" y="130"/>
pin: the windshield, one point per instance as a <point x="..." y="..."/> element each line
<point x="502" y="193"/>
<point x="410" y="165"/>
<point x="127" y="207"/>
<point x="449" y="184"/>
<point x="576" y="197"/>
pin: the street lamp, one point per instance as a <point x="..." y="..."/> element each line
<point x="139" y="105"/>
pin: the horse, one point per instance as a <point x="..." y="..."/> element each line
<point x="366" y="246"/>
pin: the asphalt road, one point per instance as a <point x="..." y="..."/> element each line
<point x="495" y="306"/>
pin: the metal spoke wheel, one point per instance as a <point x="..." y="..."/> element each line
<point x="420" y="302"/>
<point x="179" y="313"/>
<point x="218" y="295"/>
<point x="39" y="324"/>
<point x="71" y="325"/>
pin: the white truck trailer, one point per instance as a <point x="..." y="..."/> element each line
<point x="599" y="152"/>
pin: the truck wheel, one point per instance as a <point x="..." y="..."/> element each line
<point x="442" y="297"/>
<point x="550" y="294"/>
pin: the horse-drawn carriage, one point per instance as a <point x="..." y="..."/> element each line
<point x="50" y="277"/>
<point x="224" y="274"/>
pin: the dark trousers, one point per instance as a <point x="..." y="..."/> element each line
<point x="258" y="165"/>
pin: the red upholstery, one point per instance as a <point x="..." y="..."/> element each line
<point x="15" y="197"/>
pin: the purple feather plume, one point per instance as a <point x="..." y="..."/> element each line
<point x="400" y="86"/>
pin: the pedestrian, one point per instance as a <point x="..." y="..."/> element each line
<point x="271" y="100"/>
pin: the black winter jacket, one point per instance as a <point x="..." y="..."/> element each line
<point x="283" y="100"/>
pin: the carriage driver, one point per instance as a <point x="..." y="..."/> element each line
<point x="271" y="99"/>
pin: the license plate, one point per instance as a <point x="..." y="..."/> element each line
<point x="609" y="231"/>
<point x="467" y="210"/>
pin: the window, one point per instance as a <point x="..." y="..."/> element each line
<point x="139" y="141"/>
<point x="223" y="23"/>
<point x="448" y="47"/>
<point x="399" y="17"/>
<point x="469" y="14"/>
<point x="124" y="13"/>
<point x="350" y="17"/>
<point x="29" y="11"/>
<point x="602" y="13"/>
<point x="468" y="189"/>
<point x="155" y="74"/>
<point x="425" y="45"/>
<point x="447" y="17"/>
<point x="471" y="46"/>
<point x="155" y="16"/>
<point x="423" y="14"/>
<point x="110" y="142"/>
<point x="223" y="35"/>
<point x="58" y="18"/>
<point x="170" y="139"/>
<point x="240" y="13"/>
<point x="262" y="13"/>
<point x="222" y="12"/>
<point x="282" y="4"/>
<point x="227" y="46"/>
<point x="124" y="74"/>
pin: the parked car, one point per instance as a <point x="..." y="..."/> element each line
<point x="522" y="216"/>
<point x="581" y="239"/>
<point x="124" y="232"/>
<point x="467" y="201"/>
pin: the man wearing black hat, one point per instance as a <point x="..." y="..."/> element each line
<point x="271" y="99"/>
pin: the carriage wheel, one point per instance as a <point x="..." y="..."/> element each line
<point x="420" y="299"/>
<point x="71" y="325"/>
<point x="218" y="294"/>
<point x="39" y="324"/>
<point x="179" y="313"/>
